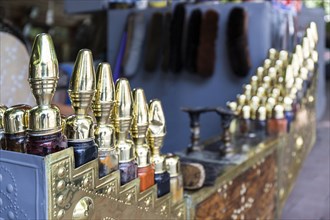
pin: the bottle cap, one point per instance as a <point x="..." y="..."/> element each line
<point x="303" y="73"/>
<point x="254" y="82"/>
<point x="295" y="64"/>
<point x="299" y="52"/>
<point x="157" y="129"/>
<point x="310" y="37"/>
<point x="105" y="93"/>
<point x="241" y="99"/>
<point x="278" y="112"/>
<point x="261" y="91"/>
<point x="266" y="81"/>
<point x="313" y="27"/>
<point x="310" y="64"/>
<point x="284" y="57"/>
<point x="140" y="116"/>
<point x="124" y="106"/>
<point x="271" y="102"/>
<point x="143" y="156"/>
<point x="247" y="91"/>
<point x="298" y="83"/>
<point x="43" y="69"/>
<point x="262" y="113"/>
<point x="315" y="56"/>
<point x="3" y="108"/>
<point x="287" y="101"/>
<point x="173" y="165"/>
<point x="272" y="54"/>
<point x="276" y="92"/>
<point x="306" y="48"/>
<point x="272" y="73"/>
<point x="81" y="91"/>
<point x="246" y="112"/>
<point x="279" y="66"/>
<point x="15" y="119"/>
<point x="260" y="73"/>
<point x="232" y="106"/>
<point x="267" y="64"/>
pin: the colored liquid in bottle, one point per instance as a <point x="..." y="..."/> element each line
<point x="15" y="142"/>
<point x="108" y="161"/>
<point x="163" y="183"/>
<point x="128" y="172"/>
<point x="83" y="151"/>
<point x="289" y="115"/>
<point x="177" y="189"/>
<point x="147" y="177"/>
<point x="46" y="144"/>
<point x="277" y="126"/>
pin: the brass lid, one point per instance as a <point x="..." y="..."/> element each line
<point x="315" y="56"/>
<point x="284" y="57"/>
<point x="123" y="107"/>
<point x="126" y="150"/>
<point x="309" y="35"/>
<point x="298" y="83"/>
<point x="278" y="111"/>
<point x="232" y="106"/>
<point x="143" y="156"/>
<point x="173" y="165"/>
<point x="105" y="136"/>
<point x="140" y="116"/>
<point x="157" y="129"/>
<point x="3" y="108"/>
<point x="260" y="73"/>
<point x="254" y="82"/>
<point x="43" y="69"/>
<point x="262" y="113"/>
<point x="261" y="91"/>
<point x="299" y="52"/>
<point x="241" y="99"/>
<point x="82" y="84"/>
<point x="271" y="102"/>
<point x="247" y="91"/>
<point x="303" y="73"/>
<point x="44" y="120"/>
<point x="267" y="64"/>
<point x="105" y="93"/>
<point x="313" y="27"/>
<point x="272" y="54"/>
<point x="310" y="64"/>
<point x="287" y="102"/>
<point x="15" y="119"/>
<point x="246" y="112"/>
<point x="79" y="128"/>
<point x="272" y="73"/>
<point x="306" y="47"/>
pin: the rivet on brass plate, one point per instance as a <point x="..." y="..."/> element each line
<point x="61" y="172"/>
<point x="60" y="213"/>
<point x="60" y="200"/>
<point x="310" y="98"/>
<point x="84" y="209"/>
<point x="60" y="185"/>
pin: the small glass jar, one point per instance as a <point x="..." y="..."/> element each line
<point x="108" y="161"/>
<point x="128" y="171"/>
<point x="84" y="151"/>
<point x="173" y="167"/>
<point x="15" y="142"/>
<point x="163" y="183"/>
<point x="43" y="145"/>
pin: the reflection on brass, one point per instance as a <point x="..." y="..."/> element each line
<point x="84" y="209"/>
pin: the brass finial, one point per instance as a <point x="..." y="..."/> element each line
<point x="105" y="93"/>
<point x="272" y="54"/>
<point x="306" y="49"/>
<point x="284" y="57"/>
<point x="3" y="108"/>
<point x="267" y="64"/>
<point x="313" y="27"/>
<point x="140" y="117"/>
<point x="81" y="91"/>
<point x="43" y="77"/>
<point x="260" y="73"/>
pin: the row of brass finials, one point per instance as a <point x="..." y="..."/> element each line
<point x="128" y="134"/>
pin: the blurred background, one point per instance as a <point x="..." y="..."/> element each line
<point x="105" y="27"/>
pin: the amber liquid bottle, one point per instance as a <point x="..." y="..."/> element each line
<point x="173" y="167"/>
<point x="139" y="129"/>
<point x="277" y="125"/>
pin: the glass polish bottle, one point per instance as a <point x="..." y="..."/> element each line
<point x="139" y="129"/>
<point x="79" y="128"/>
<point x="104" y="131"/>
<point x="288" y="111"/>
<point x="44" y="130"/>
<point x="173" y="167"/>
<point x="156" y="134"/>
<point x="15" y="124"/>
<point x="277" y="125"/>
<point x="3" y="108"/>
<point x="122" y="119"/>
